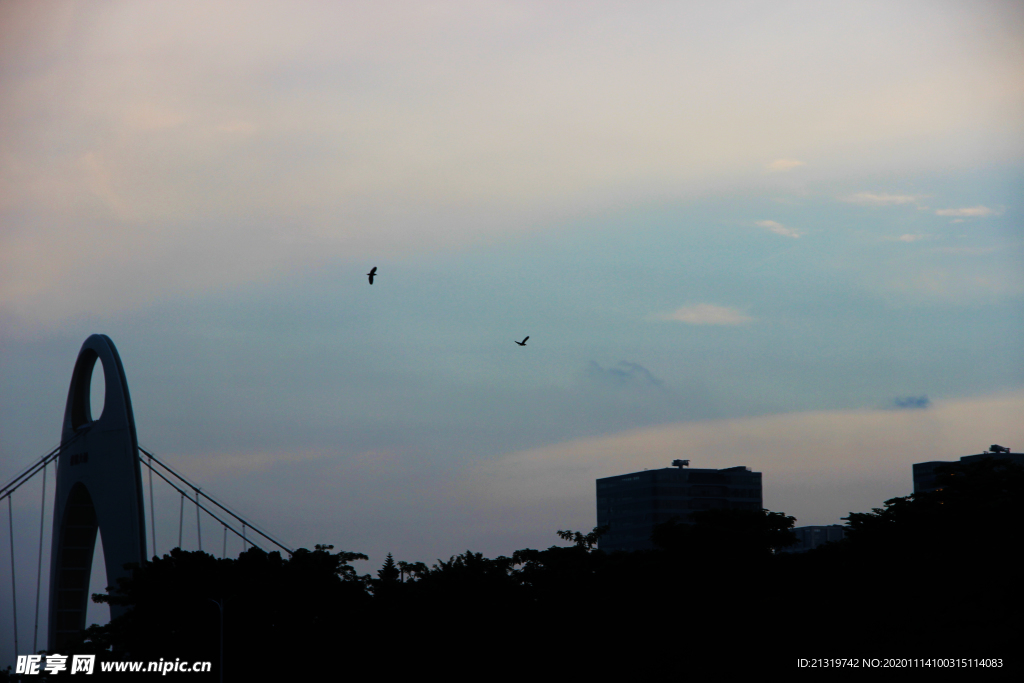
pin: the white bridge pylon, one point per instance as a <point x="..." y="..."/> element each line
<point x="99" y="487"/>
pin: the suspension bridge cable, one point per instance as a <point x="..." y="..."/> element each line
<point x="39" y="566"/>
<point x="224" y="552"/>
<point x="212" y="514"/>
<point x="33" y="469"/>
<point x="195" y="488"/>
<point x="181" y="515"/>
<point x="199" y="530"/>
<point x="14" y="592"/>
<point x="28" y="472"/>
<point x="8" y="492"/>
<point x="152" y="512"/>
<point x="207" y="496"/>
<point x="42" y="463"/>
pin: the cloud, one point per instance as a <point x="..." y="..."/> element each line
<point x="785" y="164"/>
<point x="779" y="228"/>
<point x="623" y="374"/>
<point x="239" y="463"/>
<point x="910" y="238"/>
<point x="912" y="402"/>
<point x="880" y="199"/>
<point x="707" y="314"/>
<point x="968" y="212"/>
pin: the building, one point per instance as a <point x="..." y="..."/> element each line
<point x="630" y="505"/>
<point x="924" y="472"/>
<point x="810" y="537"/>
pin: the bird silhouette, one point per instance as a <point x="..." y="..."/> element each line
<point x="373" y="271"/>
<point x="523" y="343"/>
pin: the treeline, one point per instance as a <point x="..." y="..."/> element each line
<point x="930" y="575"/>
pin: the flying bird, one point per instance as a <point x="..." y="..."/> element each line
<point x="523" y="343"/>
<point x="373" y="271"/>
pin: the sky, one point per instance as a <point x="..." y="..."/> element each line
<point x="786" y="235"/>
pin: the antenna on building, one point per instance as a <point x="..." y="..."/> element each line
<point x="680" y="463"/>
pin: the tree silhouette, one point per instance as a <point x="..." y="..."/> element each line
<point x="272" y="605"/>
<point x="389" y="572"/>
<point x="728" y="534"/>
<point x="414" y="570"/>
<point x="586" y="542"/>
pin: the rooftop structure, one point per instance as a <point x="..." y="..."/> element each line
<point x="924" y="472"/>
<point x="630" y="505"/>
